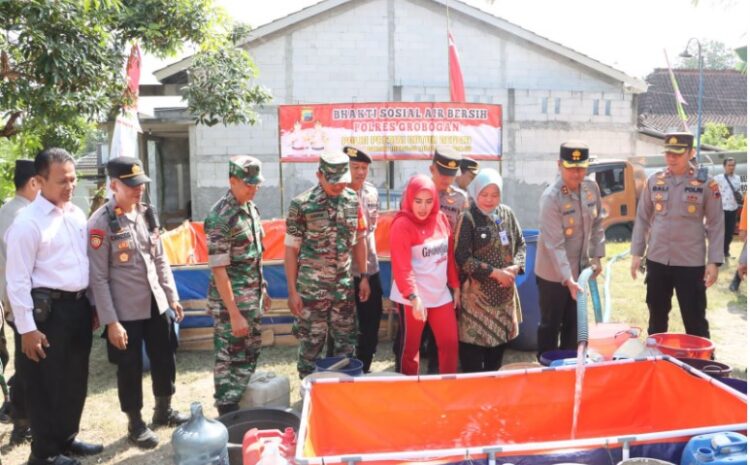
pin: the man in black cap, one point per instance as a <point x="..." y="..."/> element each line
<point x="47" y="274"/>
<point x="571" y="238"/>
<point x="369" y="311"/>
<point x="469" y="170"/>
<point x="444" y="169"/>
<point x="26" y="191"/>
<point x="677" y="213"/>
<point x="134" y="291"/>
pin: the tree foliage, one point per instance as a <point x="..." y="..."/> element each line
<point x="61" y="63"/>
<point x="716" y="55"/>
<point x="718" y="134"/>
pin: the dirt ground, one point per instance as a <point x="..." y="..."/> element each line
<point x="103" y="422"/>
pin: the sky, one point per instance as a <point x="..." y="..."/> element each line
<point x="629" y="35"/>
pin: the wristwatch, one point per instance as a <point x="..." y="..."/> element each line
<point x="411" y="296"/>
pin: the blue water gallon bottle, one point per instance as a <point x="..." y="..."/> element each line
<point x="200" y="441"/>
<point x="726" y="448"/>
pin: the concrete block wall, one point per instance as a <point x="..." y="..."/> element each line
<point x="345" y="55"/>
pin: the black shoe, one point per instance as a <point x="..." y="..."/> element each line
<point x="59" y="460"/>
<point x="142" y="437"/>
<point x="223" y="409"/>
<point x="20" y="435"/>
<point x="168" y="418"/>
<point x="81" y="448"/>
<point x="5" y="412"/>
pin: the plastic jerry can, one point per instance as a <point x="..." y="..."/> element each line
<point x="726" y="448"/>
<point x="200" y="441"/>
<point x="266" y="390"/>
<point x="268" y="447"/>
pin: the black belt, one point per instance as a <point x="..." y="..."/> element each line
<point x="56" y="294"/>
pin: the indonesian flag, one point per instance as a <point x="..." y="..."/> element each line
<point x="125" y="134"/>
<point x="455" y="77"/>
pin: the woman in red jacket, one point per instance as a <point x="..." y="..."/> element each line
<point x="423" y="269"/>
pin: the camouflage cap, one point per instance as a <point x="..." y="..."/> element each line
<point x="246" y="168"/>
<point x="335" y="167"/>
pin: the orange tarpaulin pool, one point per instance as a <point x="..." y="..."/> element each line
<point x="186" y="244"/>
<point x="510" y="408"/>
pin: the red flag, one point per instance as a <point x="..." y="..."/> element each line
<point x="133" y="71"/>
<point x="455" y="77"/>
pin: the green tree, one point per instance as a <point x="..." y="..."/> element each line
<point x="716" y="55"/>
<point x="718" y="134"/>
<point x="61" y="64"/>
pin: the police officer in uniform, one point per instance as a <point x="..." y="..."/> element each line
<point x="370" y="311"/>
<point x="325" y="226"/>
<point x="133" y="290"/>
<point x="444" y="169"/>
<point x="27" y="189"/>
<point x="678" y="211"/>
<point x="237" y="294"/>
<point x="469" y="170"/>
<point x="571" y="238"/>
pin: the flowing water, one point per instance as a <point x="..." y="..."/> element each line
<point x="580" y="371"/>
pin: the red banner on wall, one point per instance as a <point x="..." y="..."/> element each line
<point x="391" y="130"/>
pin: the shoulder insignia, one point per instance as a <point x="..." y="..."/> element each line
<point x="714" y="186"/>
<point x="96" y="238"/>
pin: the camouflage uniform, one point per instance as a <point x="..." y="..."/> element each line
<point x="325" y="229"/>
<point x="234" y="237"/>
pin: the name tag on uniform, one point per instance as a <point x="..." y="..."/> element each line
<point x="504" y="237"/>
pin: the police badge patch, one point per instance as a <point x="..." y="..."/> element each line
<point x="96" y="237"/>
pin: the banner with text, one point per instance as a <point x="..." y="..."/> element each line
<point x="390" y="131"/>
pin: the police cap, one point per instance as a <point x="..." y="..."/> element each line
<point x="574" y="154"/>
<point x="678" y="142"/>
<point x="129" y="170"/>
<point x="446" y="160"/>
<point x="356" y="154"/>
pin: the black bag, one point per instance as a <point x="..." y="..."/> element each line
<point x="737" y="196"/>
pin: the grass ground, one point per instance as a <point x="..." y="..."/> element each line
<point x="103" y="422"/>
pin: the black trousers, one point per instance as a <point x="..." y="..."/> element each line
<point x="16" y="382"/>
<point x="158" y="335"/>
<point x="558" y="317"/>
<point x="730" y="221"/>
<point x="369" y="314"/>
<point x="476" y="358"/>
<point x="687" y="281"/>
<point x="56" y="386"/>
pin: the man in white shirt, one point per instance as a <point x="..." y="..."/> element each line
<point x="26" y="191"/>
<point x="47" y="274"/>
<point x="729" y="183"/>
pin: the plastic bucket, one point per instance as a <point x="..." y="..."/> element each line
<point x="709" y="367"/>
<point x="736" y="384"/>
<point x="684" y="345"/>
<point x="606" y="338"/>
<point x="354" y="368"/>
<point x="529" y="297"/>
<point x="546" y="358"/>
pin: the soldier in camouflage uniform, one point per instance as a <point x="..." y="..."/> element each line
<point x="237" y="295"/>
<point x="324" y="228"/>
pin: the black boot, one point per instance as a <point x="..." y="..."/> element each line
<point x="735" y="285"/>
<point x="138" y="433"/>
<point x="227" y="408"/>
<point x="21" y="432"/>
<point x="164" y="415"/>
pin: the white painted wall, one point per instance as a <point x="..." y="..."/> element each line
<point x="344" y="55"/>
